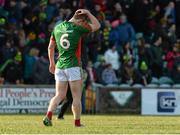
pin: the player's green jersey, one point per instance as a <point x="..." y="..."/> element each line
<point x="67" y="36"/>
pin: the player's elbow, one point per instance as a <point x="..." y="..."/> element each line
<point x="96" y="27"/>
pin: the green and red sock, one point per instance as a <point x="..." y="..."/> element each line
<point x="49" y="115"/>
<point x="77" y="123"/>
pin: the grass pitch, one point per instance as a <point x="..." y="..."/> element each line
<point x="94" y="124"/>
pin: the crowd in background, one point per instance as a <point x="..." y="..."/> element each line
<point x="137" y="41"/>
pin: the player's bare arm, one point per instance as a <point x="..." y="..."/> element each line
<point x="51" y="49"/>
<point x="94" y="23"/>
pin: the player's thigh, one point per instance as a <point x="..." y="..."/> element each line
<point x="76" y="88"/>
<point x="61" y="88"/>
<point x="61" y="82"/>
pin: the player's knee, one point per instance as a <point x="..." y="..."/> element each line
<point x="76" y="103"/>
<point x="60" y="96"/>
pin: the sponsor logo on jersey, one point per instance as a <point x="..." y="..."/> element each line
<point x="64" y="30"/>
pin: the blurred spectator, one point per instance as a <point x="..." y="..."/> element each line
<point x="176" y="74"/>
<point x="51" y="10"/>
<point x="105" y="33"/>
<point x="172" y="34"/>
<point x="93" y="43"/>
<point x="128" y="73"/>
<point x="14" y="9"/>
<point x="109" y="75"/>
<point x="126" y="31"/>
<point x="114" y="35"/>
<point x="158" y="13"/>
<point x="117" y="11"/>
<point x="41" y="73"/>
<point x="99" y="69"/>
<point x="3" y="32"/>
<point x="29" y="63"/>
<point x="145" y="74"/>
<point x="127" y="51"/>
<point x="22" y="38"/>
<point x="112" y="57"/>
<point x="101" y="3"/>
<point x="99" y="14"/>
<point x="157" y="57"/>
<point x="170" y="57"/>
<point x="144" y="52"/>
<point x="91" y="73"/>
<point x="170" y="11"/>
<point x="8" y="50"/>
<point x="12" y="71"/>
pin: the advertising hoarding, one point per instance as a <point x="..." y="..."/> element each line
<point x="118" y="100"/>
<point x="160" y="102"/>
<point x="25" y="99"/>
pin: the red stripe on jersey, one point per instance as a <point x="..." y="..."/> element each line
<point x="78" y="51"/>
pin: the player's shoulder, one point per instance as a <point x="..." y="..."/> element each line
<point x="58" y="24"/>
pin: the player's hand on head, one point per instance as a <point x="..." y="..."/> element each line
<point x="52" y="68"/>
<point x="82" y="11"/>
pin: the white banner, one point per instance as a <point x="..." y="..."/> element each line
<point x="160" y="102"/>
<point x="25" y="98"/>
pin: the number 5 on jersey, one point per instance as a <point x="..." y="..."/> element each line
<point x="64" y="42"/>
